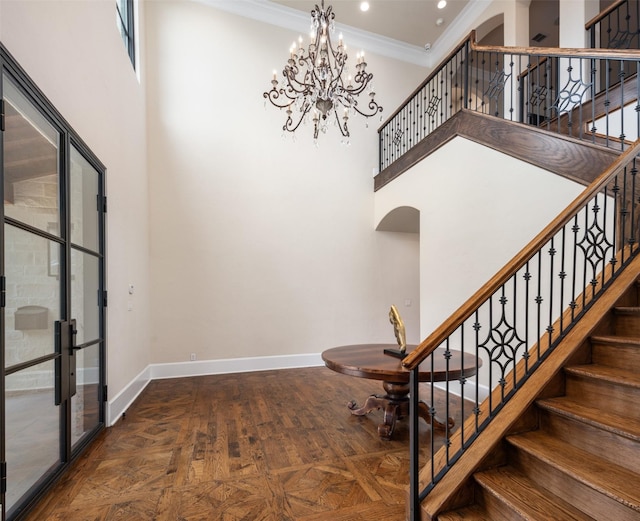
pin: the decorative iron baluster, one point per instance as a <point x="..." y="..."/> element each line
<point x="497" y="83"/>
<point x="526" y="276"/>
<point x="503" y="341"/>
<point x="562" y="275"/>
<point x="572" y="93"/>
<point x="552" y="256"/>
<point x="594" y="243"/>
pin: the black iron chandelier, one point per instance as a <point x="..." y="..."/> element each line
<point x="316" y="82"/>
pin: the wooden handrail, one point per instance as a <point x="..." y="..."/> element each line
<point x="440" y="334"/>
<point x="561" y="52"/>
<point x="603" y="14"/>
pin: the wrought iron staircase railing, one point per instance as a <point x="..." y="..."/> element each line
<point x="589" y="94"/>
<point x="517" y="319"/>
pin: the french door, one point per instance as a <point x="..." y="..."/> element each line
<point x="52" y="293"/>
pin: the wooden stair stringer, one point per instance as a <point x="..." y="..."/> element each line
<point x="445" y="493"/>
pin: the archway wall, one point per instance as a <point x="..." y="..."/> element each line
<point x="485" y="16"/>
<point x="478" y="208"/>
<point x="398" y="256"/>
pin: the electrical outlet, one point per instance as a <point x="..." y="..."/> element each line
<point x="193" y="356"/>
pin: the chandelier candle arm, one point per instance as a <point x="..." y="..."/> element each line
<point x="313" y="78"/>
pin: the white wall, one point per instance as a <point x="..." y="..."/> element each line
<point x="242" y="244"/>
<point x="478" y="208"/>
<point x="260" y="245"/>
<point x="74" y="53"/>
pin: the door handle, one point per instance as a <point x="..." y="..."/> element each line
<point x="72" y="359"/>
<point x="74" y="332"/>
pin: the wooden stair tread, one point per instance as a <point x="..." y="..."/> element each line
<point x="609" y="479"/>
<point x="605" y="420"/>
<point x="524" y="497"/>
<point x="616" y="340"/>
<point x="627" y="310"/>
<point x="605" y="373"/>
<point x="470" y="513"/>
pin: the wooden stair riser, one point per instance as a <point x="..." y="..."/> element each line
<point x="617" y="449"/>
<point x="472" y="513"/>
<point x="588" y="500"/>
<point x="621" y="355"/>
<point x="626" y="322"/>
<point x="494" y="508"/>
<point x="618" y="398"/>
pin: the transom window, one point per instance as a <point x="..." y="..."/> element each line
<point x="124" y="19"/>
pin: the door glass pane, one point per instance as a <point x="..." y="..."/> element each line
<point x="32" y="428"/>
<point x="84" y="296"/>
<point x="84" y="404"/>
<point x="30" y="163"/>
<point x="84" y="208"/>
<point x="32" y="297"/>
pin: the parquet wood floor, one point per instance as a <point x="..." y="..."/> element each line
<point x="264" y="446"/>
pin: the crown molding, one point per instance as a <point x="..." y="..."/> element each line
<point x="297" y="21"/>
<point x="458" y="29"/>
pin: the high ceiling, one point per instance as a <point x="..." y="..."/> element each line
<point x="401" y="29"/>
<point x="411" y="21"/>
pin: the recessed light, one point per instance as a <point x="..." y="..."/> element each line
<point x="364" y="6"/>
<point x="439" y="21"/>
<point x="442" y="4"/>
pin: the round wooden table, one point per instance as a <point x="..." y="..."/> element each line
<point x="370" y="361"/>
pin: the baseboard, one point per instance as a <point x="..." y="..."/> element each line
<point x="123" y="400"/>
<point x="469" y="389"/>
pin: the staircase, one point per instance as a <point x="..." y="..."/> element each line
<point x="575" y="454"/>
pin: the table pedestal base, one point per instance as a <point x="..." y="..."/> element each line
<point x="396" y="406"/>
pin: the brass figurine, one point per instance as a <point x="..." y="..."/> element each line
<point x="398" y="328"/>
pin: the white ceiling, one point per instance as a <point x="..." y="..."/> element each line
<point x="397" y="29"/>
<point x="408" y="21"/>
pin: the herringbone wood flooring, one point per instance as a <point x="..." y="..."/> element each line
<point x="268" y="446"/>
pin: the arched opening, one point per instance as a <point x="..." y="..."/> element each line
<point x="403" y="219"/>
<point x="398" y="247"/>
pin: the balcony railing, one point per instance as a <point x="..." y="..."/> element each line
<point x="588" y="94"/>
<point x="616" y="27"/>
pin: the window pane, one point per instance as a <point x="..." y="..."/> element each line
<point x="124" y="21"/>
<point x="32" y="295"/>
<point x="84" y="207"/>
<point x="85" y="406"/>
<point x="84" y="296"/>
<point x="121" y="5"/>
<point x="32" y="428"/>
<point x="31" y="173"/>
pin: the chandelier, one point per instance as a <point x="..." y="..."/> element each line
<point x="317" y="84"/>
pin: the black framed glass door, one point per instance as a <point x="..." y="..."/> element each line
<point x="52" y="276"/>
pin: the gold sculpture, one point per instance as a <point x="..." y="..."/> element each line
<point x="398" y="328"/>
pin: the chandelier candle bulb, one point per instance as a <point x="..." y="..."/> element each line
<point x="313" y="80"/>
